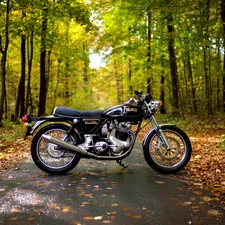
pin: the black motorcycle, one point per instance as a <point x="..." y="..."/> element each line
<point x="62" y="139"/>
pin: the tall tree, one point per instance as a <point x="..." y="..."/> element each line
<point x="173" y="65"/>
<point x="148" y="90"/>
<point x="223" y="23"/>
<point x="43" y="79"/>
<point x="4" y="49"/>
<point x="30" y="53"/>
<point x="20" y="102"/>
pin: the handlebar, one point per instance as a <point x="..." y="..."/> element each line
<point x="146" y="98"/>
<point x="139" y="94"/>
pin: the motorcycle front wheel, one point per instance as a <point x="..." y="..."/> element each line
<point x="165" y="160"/>
<point x="51" y="158"/>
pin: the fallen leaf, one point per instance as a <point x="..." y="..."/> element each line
<point x="106" y="221"/>
<point x="198" y="157"/>
<point x="185" y="203"/>
<point x="114" y="205"/>
<point x="66" y="210"/>
<point x="88" y="218"/>
<point x="214" y="213"/>
<point x="31" y="218"/>
<point x="14" y="218"/>
<point x="137" y="217"/>
<point x="207" y="199"/>
<point x="14" y="211"/>
<point x="98" y="217"/>
<point x="160" y="182"/>
<point x="111" y="213"/>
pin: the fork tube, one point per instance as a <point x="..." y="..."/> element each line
<point x="159" y="131"/>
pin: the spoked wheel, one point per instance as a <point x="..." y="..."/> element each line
<point x="166" y="160"/>
<point x="50" y="157"/>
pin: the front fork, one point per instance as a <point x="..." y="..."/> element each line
<point x="159" y="131"/>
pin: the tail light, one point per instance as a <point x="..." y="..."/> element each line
<point x="26" y="119"/>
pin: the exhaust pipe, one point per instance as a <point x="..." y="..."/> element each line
<point x="64" y="144"/>
<point x="74" y="148"/>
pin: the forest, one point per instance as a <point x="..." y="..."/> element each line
<point x="174" y="50"/>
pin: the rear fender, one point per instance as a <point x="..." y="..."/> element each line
<point x="40" y="121"/>
<point x="163" y="126"/>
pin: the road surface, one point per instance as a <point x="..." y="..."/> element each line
<point x="102" y="192"/>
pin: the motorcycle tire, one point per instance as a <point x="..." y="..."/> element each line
<point x="51" y="158"/>
<point x="163" y="160"/>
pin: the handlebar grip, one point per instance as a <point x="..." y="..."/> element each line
<point x="139" y="94"/>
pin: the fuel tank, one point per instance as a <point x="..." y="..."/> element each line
<point x="125" y="112"/>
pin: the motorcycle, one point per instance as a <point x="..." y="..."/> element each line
<point x="68" y="135"/>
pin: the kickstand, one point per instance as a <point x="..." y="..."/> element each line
<point x="121" y="164"/>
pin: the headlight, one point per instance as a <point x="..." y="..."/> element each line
<point x="154" y="105"/>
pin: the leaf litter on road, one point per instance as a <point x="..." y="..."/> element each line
<point x="205" y="170"/>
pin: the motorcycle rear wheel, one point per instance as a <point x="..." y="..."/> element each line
<point x="51" y="158"/>
<point x="168" y="161"/>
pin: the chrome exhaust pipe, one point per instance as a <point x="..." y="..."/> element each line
<point x="64" y="144"/>
<point x="74" y="148"/>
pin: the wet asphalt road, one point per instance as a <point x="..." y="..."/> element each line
<point x="101" y="192"/>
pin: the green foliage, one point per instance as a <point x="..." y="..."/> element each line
<point x="75" y="28"/>
<point x="222" y="137"/>
<point x="11" y="131"/>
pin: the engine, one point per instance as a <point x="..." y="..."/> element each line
<point x="114" y="139"/>
<point x="119" y="138"/>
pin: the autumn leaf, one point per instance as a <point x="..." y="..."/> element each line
<point x="31" y="219"/>
<point x="14" y="211"/>
<point x="160" y="182"/>
<point x="186" y="203"/>
<point x="137" y="217"/>
<point x="111" y="213"/>
<point x="14" y="218"/>
<point x="66" y="210"/>
<point x="88" y="218"/>
<point x="214" y="213"/>
<point x="106" y="221"/>
<point x="114" y="205"/>
<point x="98" y="217"/>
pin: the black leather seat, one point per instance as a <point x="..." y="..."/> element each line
<point x="68" y="112"/>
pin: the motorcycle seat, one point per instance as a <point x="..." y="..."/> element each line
<point x="68" y="112"/>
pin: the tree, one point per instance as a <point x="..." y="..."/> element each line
<point x="43" y="78"/>
<point x="20" y="102"/>
<point x="173" y="65"/>
<point x="4" y="49"/>
<point x="223" y="24"/>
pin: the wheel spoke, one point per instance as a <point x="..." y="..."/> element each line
<point x="51" y="155"/>
<point x="168" y="157"/>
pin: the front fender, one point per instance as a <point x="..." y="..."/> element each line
<point x="154" y="130"/>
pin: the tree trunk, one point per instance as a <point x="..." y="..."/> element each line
<point x="3" y="49"/>
<point x="173" y="67"/>
<point x="57" y="84"/>
<point x="223" y="21"/>
<point x="131" y="92"/>
<point x="119" y="82"/>
<point x="85" y="70"/>
<point x="206" y="53"/>
<point x="43" y="80"/>
<point x="67" y="89"/>
<point x="21" y="87"/>
<point x="162" y="91"/>
<point x="30" y="51"/>
<point x="148" y="89"/>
